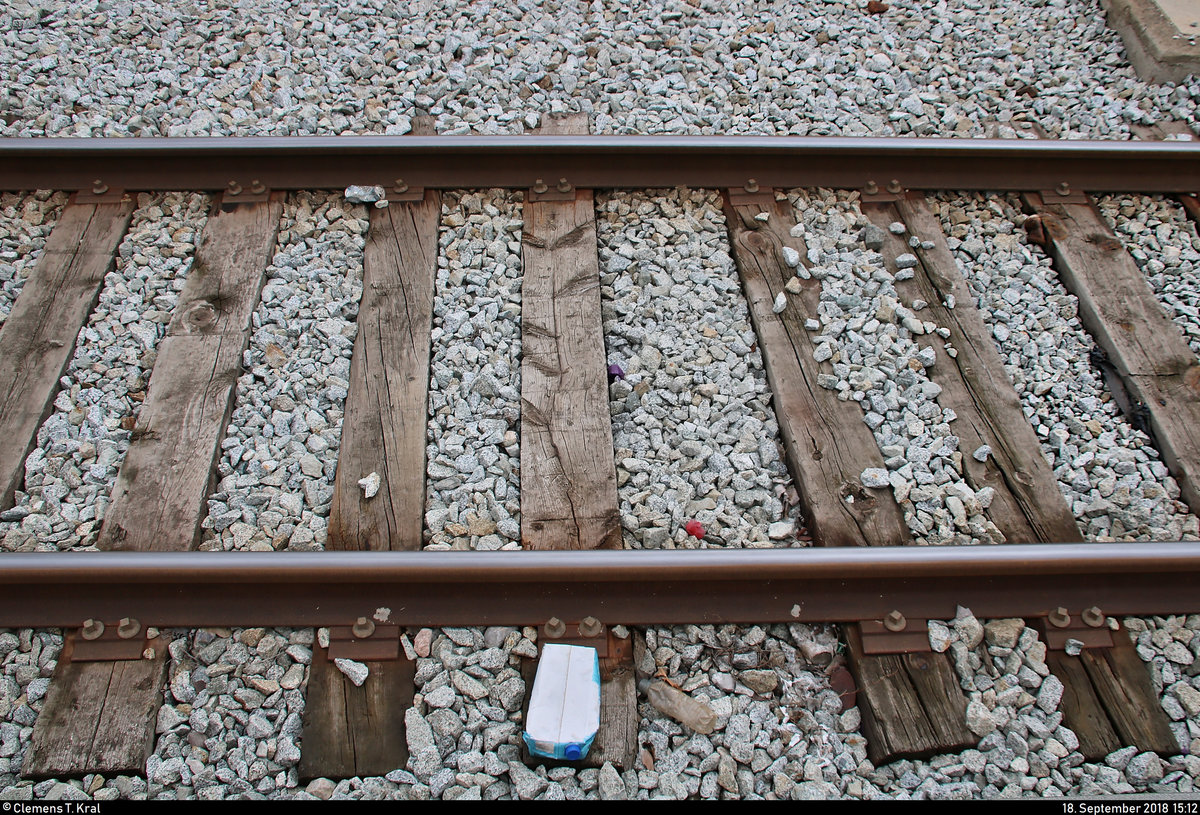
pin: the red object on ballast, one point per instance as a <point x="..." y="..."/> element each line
<point x="694" y="529"/>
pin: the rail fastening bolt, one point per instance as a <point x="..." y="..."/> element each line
<point x="233" y="188"/>
<point x="92" y="629"/>
<point x="590" y="627"/>
<point x="871" y="188"/>
<point x="363" y="628"/>
<point x="128" y="628"/>
<point x="1059" y="618"/>
<point x="99" y="187"/>
<point x="399" y="187"/>
<point x="555" y="628"/>
<point x="894" y="621"/>
<point x="539" y="186"/>
<point x="564" y="185"/>
<point x="257" y="187"/>
<point x="1063" y="188"/>
<point x="894" y="186"/>
<point x="1093" y="617"/>
<point x="751" y="185"/>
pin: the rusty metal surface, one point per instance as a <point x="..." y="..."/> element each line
<point x="607" y="161"/>
<point x="513" y="588"/>
<point x="383" y="644"/>
<point x="877" y="639"/>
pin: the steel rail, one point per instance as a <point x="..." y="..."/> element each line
<point x="605" y="161"/>
<point x="655" y="587"/>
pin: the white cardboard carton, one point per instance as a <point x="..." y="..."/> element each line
<point x="564" y="708"/>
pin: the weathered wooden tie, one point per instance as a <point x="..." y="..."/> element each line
<point x="359" y="730"/>
<point x="825" y="440"/>
<point x="1027" y="506"/>
<point x="100" y="716"/>
<point x="1146" y="349"/>
<point x="568" y="475"/>
<point x="38" y="338"/>
<point x="1107" y="698"/>
<point x="911" y="703"/>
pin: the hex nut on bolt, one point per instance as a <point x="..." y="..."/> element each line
<point x="590" y="627"/>
<point x="539" y="186"/>
<point x="363" y="628"/>
<point x="128" y="628"/>
<point x="555" y="628"/>
<point x="1093" y="617"/>
<point x="92" y="629"/>
<point x="564" y="185"/>
<point x="1059" y="618"/>
<point x="894" y="621"/>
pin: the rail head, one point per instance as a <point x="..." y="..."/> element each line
<point x="491" y="588"/>
<point x="599" y="161"/>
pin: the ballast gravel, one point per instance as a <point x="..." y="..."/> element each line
<point x="1163" y="242"/>
<point x="968" y="68"/>
<point x="279" y="455"/>
<point x="876" y="344"/>
<point x="281" y="67"/>
<point x="25" y="222"/>
<point x="473" y="457"/>
<point x="232" y="717"/>
<point x="72" y="469"/>
<point x="1110" y="473"/>
<point x="694" y="433"/>
<point x="231" y="723"/>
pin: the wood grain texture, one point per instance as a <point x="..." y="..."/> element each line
<point x="911" y="704"/>
<point x="1081" y="708"/>
<point x="827" y="444"/>
<point x="387" y="406"/>
<point x="359" y="731"/>
<point x="568" y="476"/>
<point x="37" y="339"/>
<point x="1120" y="311"/>
<point x="158" y="500"/>
<point x="355" y="731"/>
<point x="1028" y="507"/>
<point x="98" y="717"/>
<point x="616" y="740"/>
<point x="1122" y="683"/>
<point x="1108" y="698"/>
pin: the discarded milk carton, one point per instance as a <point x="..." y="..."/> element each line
<point x="564" y="708"/>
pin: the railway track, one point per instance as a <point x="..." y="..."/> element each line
<point x="373" y="585"/>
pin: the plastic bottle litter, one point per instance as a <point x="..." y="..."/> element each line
<point x="679" y="706"/>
